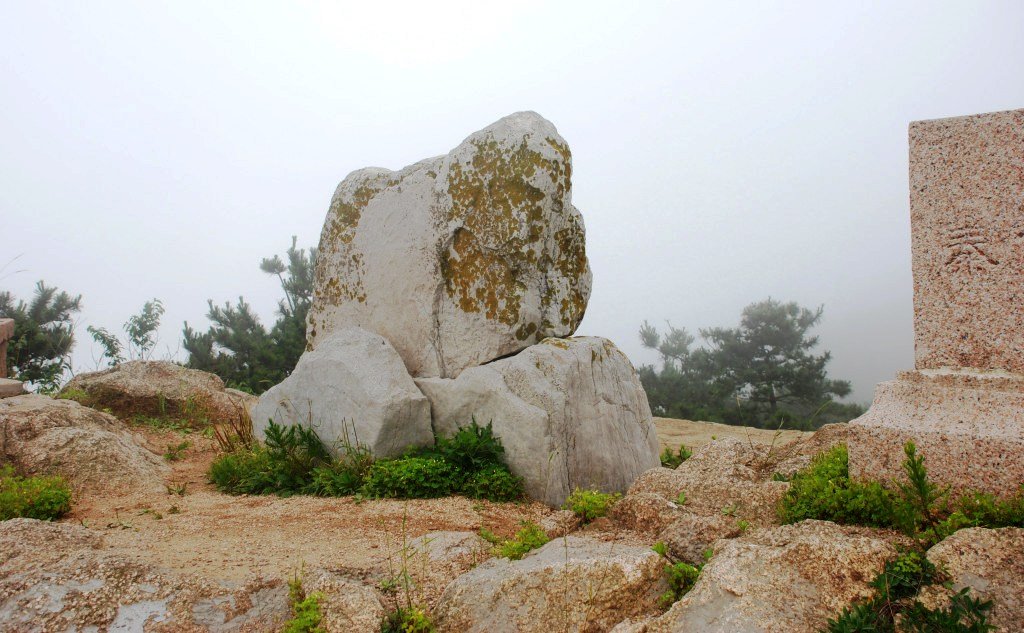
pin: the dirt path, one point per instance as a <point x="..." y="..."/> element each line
<point x="230" y="538"/>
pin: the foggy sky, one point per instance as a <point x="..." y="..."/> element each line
<point x="722" y="154"/>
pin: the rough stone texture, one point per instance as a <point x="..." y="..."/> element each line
<point x="577" y="584"/>
<point x="788" y="579"/>
<point x="347" y="606"/>
<point x="460" y="259"/>
<point x="10" y="388"/>
<point x="352" y="388"/>
<point x="797" y="455"/>
<point x="722" y="477"/>
<point x="91" y="450"/>
<point x="967" y="219"/>
<point x="690" y="535"/>
<point x="969" y="428"/>
<point x="158" y="388"/>
<point x="963" y="406"/>
<point x="54" y="577"/>
<point x="991" y="563"/>
<point x="445" y="547"/>
<point x="570" y="413"/>
<point x="645" y="513"/>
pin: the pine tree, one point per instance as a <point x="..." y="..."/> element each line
<point x="40" y="351"/>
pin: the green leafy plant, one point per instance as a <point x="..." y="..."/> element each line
<point x="825" y="491"/>
<point x="895" y="600"/>
<point x="494" y="483"/>
<point x="590" y="504"/>
<point x="39" y="497"/>
<point x="408" y="619"/>
<point x="670" y="459"/>
<point x="306" y="612"/>
<point x="410" y="477"/>
<point x="681" y="576"/>
<point x="176" y="451"/>
<point x="921" y="501"/>
<point x="528" y="538"/>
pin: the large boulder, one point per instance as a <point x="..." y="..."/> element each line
<point x="988" y="562"/>
<point x="159" y="388"/>
<point x="570" y="413"/>
<point x="460" y="259"/>
<point x="789" y="579"/>
<point x="570" y="584"/>
<point x="94" y="451"/>
<point x="352" y="389"/>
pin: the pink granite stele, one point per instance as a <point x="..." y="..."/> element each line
<point x="964" y="404"/>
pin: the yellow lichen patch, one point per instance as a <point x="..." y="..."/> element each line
<point x="339" y="269"/>
<point x="504" y="212"/>
<point x="560" y="343"/>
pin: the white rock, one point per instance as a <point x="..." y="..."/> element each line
<point x="570" y="413"/>
<point x="353" y="387"/>
<point x="460" y="259"/>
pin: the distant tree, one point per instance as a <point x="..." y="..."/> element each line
<point x="44" y="334"/>
<point x="763" y="372"/>
<point x="239" y="349"/>
<point x="141" y="330"/>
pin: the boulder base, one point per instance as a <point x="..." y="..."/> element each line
<point x="570" y="413"/>
<point x="969" y="426"/>
<point x="353" y="388"/>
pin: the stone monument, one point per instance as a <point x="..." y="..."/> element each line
<point x="963" y="405"/>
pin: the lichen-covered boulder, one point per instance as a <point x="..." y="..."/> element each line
<point x="570" y="584"/>
<point x="159" y="388"/>
<point x="570" y="413"/>
<point x="352" y="389"/>
<point x="789" y="579"/>
<point x="460" y="259"/>
<point x="93" y="451"/>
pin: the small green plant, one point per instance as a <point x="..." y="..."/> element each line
<point x="681" y="576"/>
<point x="408" y="619"/>
<point x="681" y="498"/>
<point x="78" y="395"/>
<point x="895" y="600"/>
<point x="494" y="483"/>
<point x="730" y="510"/>
<point x="670" y="459"/>
<point x="590" y="504"/>
<point x="179" y="489"/>
<point x="743" y="525"/>
<point x="39" y="497"/>
<point x="176" y="451"/>
<point x="921" y="501"/>
<point x="528" y="538"/>
<point x="306" y="613"/>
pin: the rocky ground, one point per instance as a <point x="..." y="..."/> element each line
<point x="153" y="546"/>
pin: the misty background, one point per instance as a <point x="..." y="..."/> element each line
<point x="722" y="154"/>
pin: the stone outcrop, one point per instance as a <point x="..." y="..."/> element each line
<point x="460" y="259"/>
<point x="346" y="605"/>
<point x="724" y="477"/>
<point x="788" y="579"/>
<point x="991" y="564"/>
<point x="570" y="413"/>
<point x="92" y="450"/>
<point x="353" y="388"/>
<point x="579" y="584"/>
<point x="159" y="388"/>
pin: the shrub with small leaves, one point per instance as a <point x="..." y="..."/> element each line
<point x="494" y="483"/>
<point x="528" y="538"/>
<point x="672" y="459"/>
<point x="408" y="619"/>
<point x="39" y="497"/>
<point x="410" y="477"/>
<point x="590" y="504"/>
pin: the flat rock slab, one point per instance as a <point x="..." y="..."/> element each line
<point x="10" y="388"/>
<point x="460" y="259"/>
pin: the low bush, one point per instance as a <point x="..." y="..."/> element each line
<point x="306" y="613"/>
<point x="410" y="477"/>
<point x="670" y="459"/>
<point x="590" y="504"/>
<point x="39" y="497"/>
<point x="681" y="576"/>
<point x="295" y="461"/>
<point x="825" y="491"/>
<point x="408" y="619"/>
